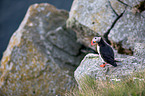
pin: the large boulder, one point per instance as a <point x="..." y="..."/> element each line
<point x="90" y="66"/>
<point x="41" y="56"/>
<point x="124" y="21"/>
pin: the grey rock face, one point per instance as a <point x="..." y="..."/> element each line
<point x="96" y="17"/>
<point x="139" y="50"/>
<point x="129" y="29"/>
<point x="41" y="56"/>
<point x="124" y="22"/>
<point x="90" y="66"/>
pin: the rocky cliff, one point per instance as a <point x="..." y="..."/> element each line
<point x="44" y="52"/>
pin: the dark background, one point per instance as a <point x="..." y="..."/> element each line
<point x="12" y="13"/>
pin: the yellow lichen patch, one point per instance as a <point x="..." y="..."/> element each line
<point x="117" y="6"/>
<point x="91" y="1"/>
<point x="4" y="61"/>
<point x="81" y="6"/>
<point x="3" y="77"/>
<point x="14" y="41"/>
<point x="74" y="12"/>
<point x="96" y="19"/>
<point x="94" y="28"/>
<point x="34" y="72"/>
<point x="34" y="9"/>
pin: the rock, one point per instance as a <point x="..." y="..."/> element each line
<point x="41" y="56"/>
<point x="90" y="66"/>
<point x="121" y="23"/>
<point x="129" y="30"/>
<point x="96" y="17"/>
<point x="139" y="50"/>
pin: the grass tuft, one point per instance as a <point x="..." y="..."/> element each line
<point x="131" y="86"/>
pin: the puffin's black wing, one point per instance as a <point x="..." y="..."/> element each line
<point x="107" y="54"/>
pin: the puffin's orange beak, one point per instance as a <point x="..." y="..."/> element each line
<point x="92" y="42"/>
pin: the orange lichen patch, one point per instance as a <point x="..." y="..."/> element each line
<point x="1" y="69"/>
<point x="5" y="64"/>
<point x="32" y="64"/>
<point x="3" y="77"/>
<point x="5" y="59"/>
<point x="15" y="40"/>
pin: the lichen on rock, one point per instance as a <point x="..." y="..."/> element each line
<point x="90" y="66"/>
<point x="41" y="56"/>
<point x="99" y="16"/>
<point x="124" y="28"/>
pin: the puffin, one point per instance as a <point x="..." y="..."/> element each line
<point x="105" y="51"/>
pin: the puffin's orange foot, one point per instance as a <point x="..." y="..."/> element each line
<point x="103" y="65"/>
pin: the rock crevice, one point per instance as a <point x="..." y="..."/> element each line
<point x="119" y="25"/>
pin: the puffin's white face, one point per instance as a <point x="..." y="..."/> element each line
<point x="95" y="40"/>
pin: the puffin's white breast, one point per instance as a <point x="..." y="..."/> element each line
<point x="98" y="49"/>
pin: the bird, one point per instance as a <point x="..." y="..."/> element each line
<point x="105" y="51"/>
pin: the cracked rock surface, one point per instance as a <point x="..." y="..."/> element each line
<point x="90" y="18"/>
<point x="129" y="30"/>
<point x="90" y="66"/>
<point x="41" y="56"/>
<point x="124" y="26"/>
<point x="96" y="15"/>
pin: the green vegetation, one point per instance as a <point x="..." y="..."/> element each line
<point x="131" y="86"/>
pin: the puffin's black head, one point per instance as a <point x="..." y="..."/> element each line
<point x="95" y="40"/>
